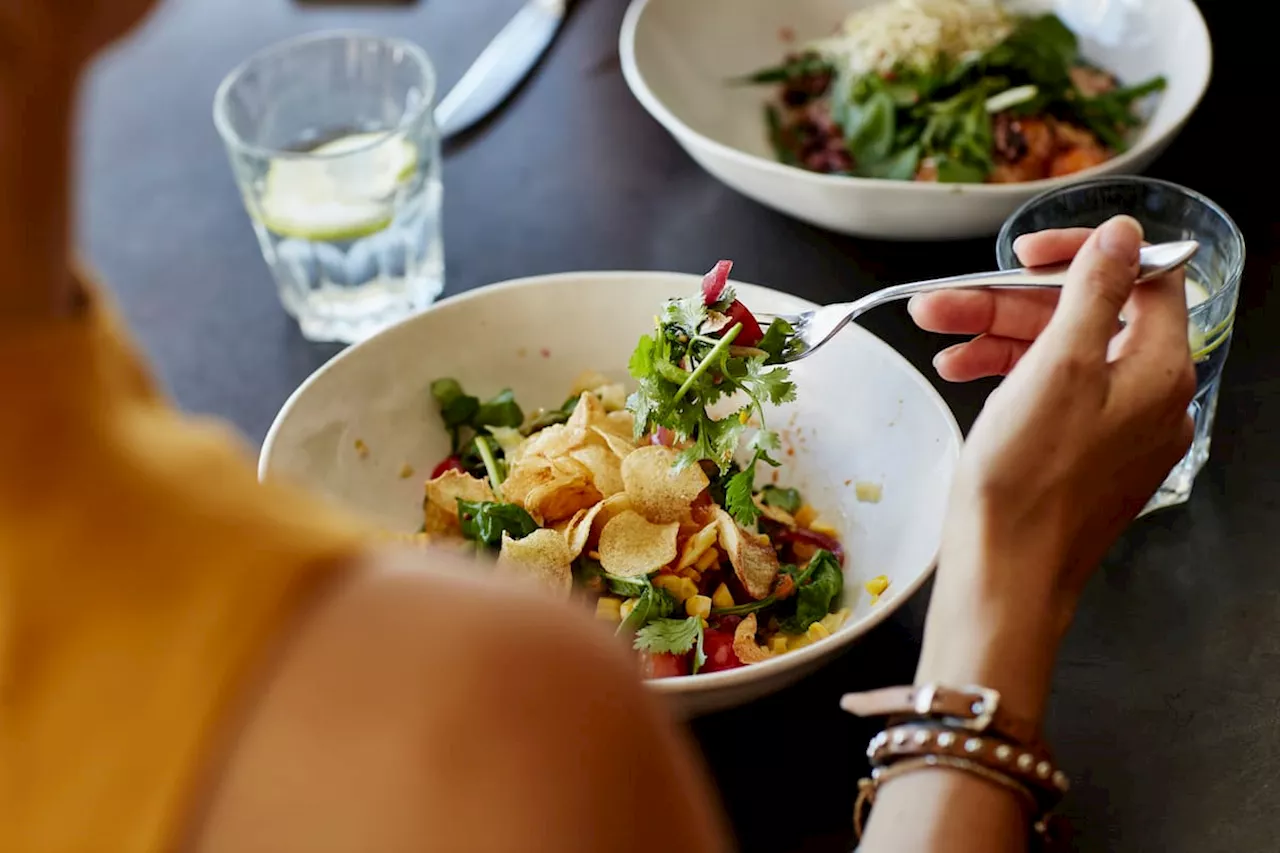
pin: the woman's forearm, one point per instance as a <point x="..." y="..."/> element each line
<point x="993" y="622"/>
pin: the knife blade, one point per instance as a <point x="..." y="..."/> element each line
<point x="501" y="67"/>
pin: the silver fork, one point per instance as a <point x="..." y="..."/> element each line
<point x="817" y="327"/>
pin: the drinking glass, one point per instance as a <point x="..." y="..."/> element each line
<point x="1167" y="212"/>
<point x="334" y="147"/>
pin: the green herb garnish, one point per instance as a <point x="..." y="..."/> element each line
<point x="486" y="521"/>
<point x="652" y="603"/>
<point x="818" y="589"/>
<point x="673" y="637"/>
<point x="787" y="500"/>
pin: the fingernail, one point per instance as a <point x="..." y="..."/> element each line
<point x="911" y="305"/>
<point x="1121" y="238"/>
<point x="1019" y="241"/>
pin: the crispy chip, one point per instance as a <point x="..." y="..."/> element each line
<point x="588" y="413"/>
<point x="541" y="556"/>
<point x="778" y="516"/>
<point x="610" y="507"/>
<point x="744" y="642"/>
<point x="619" y="423"/>
<point x="630" y="546"/>
<point x="657" y="491"/>
<point x="439" y="522"/>
<point x="416" y="540"/>
<point x="588" y="380"/>
<point x="560" y="499"/>
<point x="443" y="493"/>
<point x="697" y="544"/>
<point x="621" y="447"/>
<point x="613" y="397"/>
<point x="577" y="530"/>
<point x="526" y="475"/>
<point x="554" y="441"/>
<point x="603" y="467"/>
<point x="754" y="561"/>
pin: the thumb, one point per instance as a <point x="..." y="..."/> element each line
<point x="1098" y="285"/>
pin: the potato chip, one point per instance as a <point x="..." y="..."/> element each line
<point x="526" y="475"/>
<point x="542" y="556"/>
<point x="588" y="380"/>
<point x="630" y="546"/>
<point x="613" y="397"/>
<point x="697" y="545"/>
<point x="744" y="642"/>
<point x="603" y="466"/>
<point x="554" y="441"/>
<point x="610" y="507"/>
<point x="444" y="491"/>
<point x="588" y="413"/>
<point x="657" y="491"/>
<point x="774" y="514"/>
<point x="577" y="530"/>
<point x="560" y="498"/>
<point x="439" y="522"/>
<point x="620" y="446"/>
<point x="619" y="423"/>
<point x="754" y="560"/>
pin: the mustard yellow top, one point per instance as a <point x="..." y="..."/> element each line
<point x="143" y="573"/>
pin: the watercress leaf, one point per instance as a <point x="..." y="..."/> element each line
<point x="870" y="127"/>
<point x="787" y="500"/>
<point x="816" y="595"/>
<point x="901" y="166"/>
<point x="954" y="171"/>
<point x="486" y="521"/>
<point x="457" y="408"/>
<point x="653" y="603"/>
<point x="669" y="636"/>
<point x="780" y="139"/>
<point x="625" y="587"/>
<point x="806" y="64"/>
<point x="738" y="495"/>
<point x="501" y="411"/>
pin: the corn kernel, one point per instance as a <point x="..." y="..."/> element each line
<point x="362" y="449"/>
<point x="833" y="621"/>
<point x="820" y="526"/>
<point x="868" y="493"/>
<point x="817" y="631"/>
<point x="877" y="585"/>
<point x="778" y="644"/>
<point x="744" y="416"/>
<point x="692" y="574"/>
<point x="709" y="558"/>
<point x="609" y="609"/>
<point x="722" y="597"/>
<point x="406" y="471"/>
<point x="681" y="589"/>
<point x="805" y="516"/>
<point x="624" y="610"/>
<point x="698" y="605"/>
<point x="798" y="642"/>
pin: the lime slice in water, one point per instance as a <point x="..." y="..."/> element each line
<point x="1197" y="294"/>
<point x="345" y="192"/>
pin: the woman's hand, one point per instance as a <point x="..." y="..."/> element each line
<point x="1064" y="455"/>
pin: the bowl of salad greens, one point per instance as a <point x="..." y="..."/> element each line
<point x="915" y="119"/>
<point x="645" y="458"/>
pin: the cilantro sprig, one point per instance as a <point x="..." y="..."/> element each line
<point x="673" y="637"/>
<point x="689" y="364"/>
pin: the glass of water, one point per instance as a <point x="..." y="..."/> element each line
<point x="1167" y="212"/>
<point x="334" y="146"/>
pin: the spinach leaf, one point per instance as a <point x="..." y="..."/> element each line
<point x="870" y="124"/>
<point x="501" y="411"/>
<point x="787" y="500"/>
<point x="820" y="590"/>
<point x="486" y="521"/>
<point x="457" y="408"/>
<point x="953" y="171"/>
<point x="901" y="166"/>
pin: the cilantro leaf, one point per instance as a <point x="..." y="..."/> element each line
<point x="653" y="603"/>
<point x="669" y="636"/>
<point x="787" y="500"/>
<point x="765" y="442"/>
<point x="768" y="383"/>
<point x="816" y="594"/>
<point x="486" y="521"/>
<point x="779" y="341"/>
<point x="738" y="497"/>
<point x="687" y="314"/>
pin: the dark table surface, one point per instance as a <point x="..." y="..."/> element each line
<point x="1167" y="701"/>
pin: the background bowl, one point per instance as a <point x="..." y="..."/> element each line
<point x="864" y="414"/>
<point x="678" y="56"/>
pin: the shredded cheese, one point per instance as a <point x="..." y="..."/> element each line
<point x="915" y="33"/>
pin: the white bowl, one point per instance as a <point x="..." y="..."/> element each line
<point x="864" y="414"/>
<point x="677" y="56"/>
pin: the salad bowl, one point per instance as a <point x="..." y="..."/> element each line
<point x="680" y="58"/>
<point x="863" y="416"/>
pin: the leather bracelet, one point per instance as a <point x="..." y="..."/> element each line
<point x="1031" y="767"/>
<point x="976" y="709"/>
<point x="867" y="788"/>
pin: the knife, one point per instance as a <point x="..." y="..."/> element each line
<point x="501" y="67"/>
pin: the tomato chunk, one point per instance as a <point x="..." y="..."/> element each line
<point x="713" y="283"/>
<point x="751" y="333"/>
<point x="664" y="665"/>
<point x="449" y="463"/>
<point x="718" y="647"/>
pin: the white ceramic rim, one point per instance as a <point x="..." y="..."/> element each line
<point x="685" y="134"/>
<point x="713" y="680"/>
